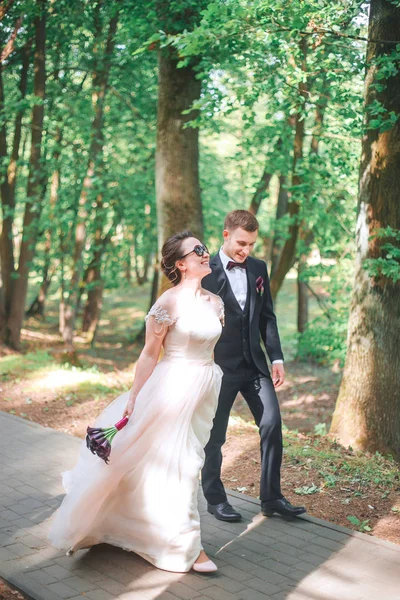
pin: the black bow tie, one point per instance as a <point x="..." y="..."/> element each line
<point x="232" y="264"/>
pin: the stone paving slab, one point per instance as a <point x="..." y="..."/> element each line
<point x="258" y="559"/>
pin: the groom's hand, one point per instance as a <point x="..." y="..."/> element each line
<point x="278" y="374"/>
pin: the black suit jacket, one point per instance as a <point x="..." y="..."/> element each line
<point x="262" y="319"/>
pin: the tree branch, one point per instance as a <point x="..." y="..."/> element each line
<point x="9" y="47"/>
<point x="5" y="8"/>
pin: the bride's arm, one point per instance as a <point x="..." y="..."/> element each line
<point x="144" y="367"/>
<point x="157" y="323"/>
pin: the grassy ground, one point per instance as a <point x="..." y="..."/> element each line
<point x="44" y="384"/>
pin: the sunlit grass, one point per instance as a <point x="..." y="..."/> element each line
<point x="339" y="465"/>
<point x="40" y="372"/>
<point x="14" y="364"/>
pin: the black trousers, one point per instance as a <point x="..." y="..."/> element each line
<point x="259" y="393"/>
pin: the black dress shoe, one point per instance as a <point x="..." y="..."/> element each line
<point x="282" y="507"/>
<point x="224" y="512"/>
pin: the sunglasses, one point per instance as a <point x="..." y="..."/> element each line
<point x="199" y="249"/>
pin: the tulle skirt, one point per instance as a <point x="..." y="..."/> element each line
<point x="145" y="499"/>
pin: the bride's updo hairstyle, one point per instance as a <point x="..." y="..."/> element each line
<point x="170" y="253"/>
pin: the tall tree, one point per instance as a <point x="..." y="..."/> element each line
<point x="101" y="73"/>
<point x="288" y="253"/>
<point x="367" y="414"/>
<point x="32" y="206"/>
<point x="8" y="188"/>
<point x="177" y="155"/>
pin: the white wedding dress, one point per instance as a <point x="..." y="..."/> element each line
<point x="145" y="499"/>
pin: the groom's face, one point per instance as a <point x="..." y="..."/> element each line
<point x="239" y="243"/>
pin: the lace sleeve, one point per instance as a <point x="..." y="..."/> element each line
<point x="161" y="320"/>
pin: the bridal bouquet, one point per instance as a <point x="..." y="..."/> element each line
<point x="99" y="439"/>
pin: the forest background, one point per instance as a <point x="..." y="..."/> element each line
<point x="123" y="122"/>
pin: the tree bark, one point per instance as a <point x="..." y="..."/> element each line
<point x="259" y="194"/>
<point x="281" y="210"/>
<point x="367" y="414"/>
<point x="9" y="47"/>
<point x="141" y="277"/>
<point x="6" y="245"/>
<point x="37" y="307"/>
<point x="94" y="303"/>
<point x="177" y="153"/>
<point x="32" y="206"/>
<point x="302" y="296"/>
<point x="93" y="279"/>
<point x="100" y="86"/>
<point x="153" y="297"/>
<point x="8" y="187"/>
<point x="5" y="7"/>
<point x="305" y="234"/>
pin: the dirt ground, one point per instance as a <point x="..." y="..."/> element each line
<point x="7" y="592"/>
<point x="371" y="504"/>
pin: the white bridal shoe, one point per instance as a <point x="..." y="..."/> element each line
<point x="205" y="567"/>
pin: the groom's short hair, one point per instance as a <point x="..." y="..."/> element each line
<point x="241" y="218"/>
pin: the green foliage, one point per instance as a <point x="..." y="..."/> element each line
<point x="387" y="265"/>
<point x="361" y="525"/>
<point x="320" y="429"/>
<point x="324" y="340"/>
<point x="252" y="57"/>
<point x="307" y="490"/>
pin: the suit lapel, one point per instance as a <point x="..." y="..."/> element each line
<point x="252" y="287"/>
<point x="219" y="273"/>
<point x="223" y="287"/>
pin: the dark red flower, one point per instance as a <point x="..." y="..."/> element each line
<point x="98" y="439"/>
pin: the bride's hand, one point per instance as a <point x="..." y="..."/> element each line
<point x="129" y="407"/>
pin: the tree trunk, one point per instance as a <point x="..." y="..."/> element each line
<point x="94" y="284"/>
<point x="128" y="264"/>
<point x="93" y="306"/>
<point x="6" y="245"/>
<point x="37" y="306"/>
<point x="367" y="414"/>
<point x="305" y="234"/>
<point x="5" y="7"/>
<point x="153" y="297"/>
<point x="100" y="86"/>
<point x="281" y="210"/>
<point x="93" y="279"/>
<point x="9" y="47"/>
<point x="32" y="206"/>
<point x="7" y="191"/>
<point x="260" y="192"/>
<point x="302" y="296"/>
<point x="288" y="254"/>
<point x="177" y="154"/>
<point x="143" y="277"/>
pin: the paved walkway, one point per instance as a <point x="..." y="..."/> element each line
<point x="259" y="559"/>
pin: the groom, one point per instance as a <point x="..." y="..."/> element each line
<point x="242" y="282"/>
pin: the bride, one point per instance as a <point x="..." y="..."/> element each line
<point x="145" y="499"/>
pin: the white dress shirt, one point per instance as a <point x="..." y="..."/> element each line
<point x="237" y="278"/>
